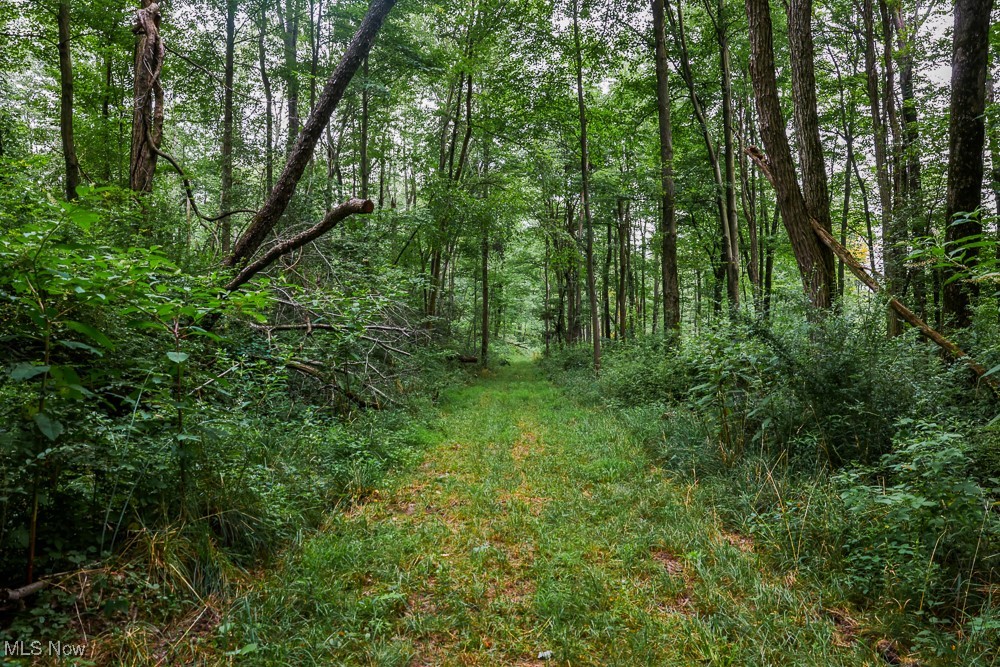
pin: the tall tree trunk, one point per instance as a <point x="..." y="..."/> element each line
<point x="269" y="214"/>
<point x="290" y="40"/>
<point x="731" y="222"/>
<point x="890" y="252"/>
<point x="668" y="222"/>
<point x="226" y="194"/>
<point x="268" y="102"/>
<point x="967" y="133"/>
<point x="585" y="191"/>
<point x="913" y="195"/>
<point x="147" y="115"/>
<point x="730" y="263"/>
<point x="814" y="259"/>
<point x="621" y="299"/>
<point x="815" y="190"/>
<point x="365" y="167"/>
<point x="66" y="102"/>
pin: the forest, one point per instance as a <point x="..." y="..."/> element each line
<point x="499" y="332"/>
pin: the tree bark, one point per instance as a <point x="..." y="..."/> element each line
<point x="815" y="190"/>
<point x="226" y="194"/>
<point x="730" y="263"/>
<point x="585" y="191"/>
<point x="147" y="116"/>
<point x="365" y="167"/>
<point x="66" y="101"/>
<point x="814" y="259"/>
<point x="268" y="102"/>
<point x="333" y="91"/>
<point x="290" y="40"/>
<point x="966" y="132"/>
<point x="668" y="222"/>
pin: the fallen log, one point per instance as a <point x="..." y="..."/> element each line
<point x="14" y="594"/>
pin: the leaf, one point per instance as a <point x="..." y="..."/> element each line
<point x="26" y="371"/>
<point x="50" y="428"/>
<point x="75" y="345"/>
<point x="91" y="333"/>
<point x="177" y="357"/>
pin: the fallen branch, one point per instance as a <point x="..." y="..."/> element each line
<point x="14" y="594"/>
<point x="330" y="220"/>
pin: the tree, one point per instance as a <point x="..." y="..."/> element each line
<point x="147" y="116"/>
<point x="966" y="133"/>
<point x="277" y="201"/>
<point x="66" y="101"/>
<point x="668" y="222"/>
<point x="814" y="259"/>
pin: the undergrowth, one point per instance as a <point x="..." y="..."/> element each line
<point x="863" y="464"/>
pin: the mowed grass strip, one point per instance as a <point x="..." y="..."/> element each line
<point x="533" y="525"/>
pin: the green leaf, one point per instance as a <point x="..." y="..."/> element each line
<point x="75" y="345"/>
<point x="50" y="428"/>
<point x="26" y="371"/>
<point x="177" y="357"/>
<point x="91" y="333"/>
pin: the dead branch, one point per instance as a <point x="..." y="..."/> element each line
<point x="330" y="220"/>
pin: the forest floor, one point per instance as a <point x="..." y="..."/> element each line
<point x="537" y="529"/>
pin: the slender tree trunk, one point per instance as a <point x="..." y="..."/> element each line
<point x="66" y="102"/>
<point x="226" y="194"/>
<point x="890" y="253"/>
<point x="585" y="191"/>
<point x="622" y="269"/>
<point x="668" y="223"/>
<point x="269" y="214"/>
<point x="913" y="193"/>
<point x="967" y="133"/>
<point x="732" y="219"/>
<point x="730" y="263"/>
<point x="290" y="40"/>
<point x="365" y="167"/>
<point x="268" y="103"/>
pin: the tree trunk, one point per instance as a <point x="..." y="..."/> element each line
<point x="668" y="222"/>
<point x="266" y="218"/>
<point x="967" y="132"/>
<point x="365" y="167"/>
<point x="147" y="116"/>
<point x="814" y="184"/>
<point x="890" y="252"/>
<point x="731" y="222"/>
<point x="585" y="191"/>
<point x="814" y="259"/>
<point x="66" y="102"/>
<point x="226" y="194"/>
<point x="290" y="40"/>
<point x="730" y="263"/>
<point x="268" y="103"/>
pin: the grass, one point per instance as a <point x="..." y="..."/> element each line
<point x="533" y="525"/>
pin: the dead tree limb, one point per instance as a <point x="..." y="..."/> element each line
<point x="189" y="193"/>
<point x="330" y="220"/>
<point x="861" y="274"/>
<point x="14" y="594"/>
<point x="265" y="220"/>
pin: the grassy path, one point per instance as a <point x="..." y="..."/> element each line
<point x="534" y="525"/>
